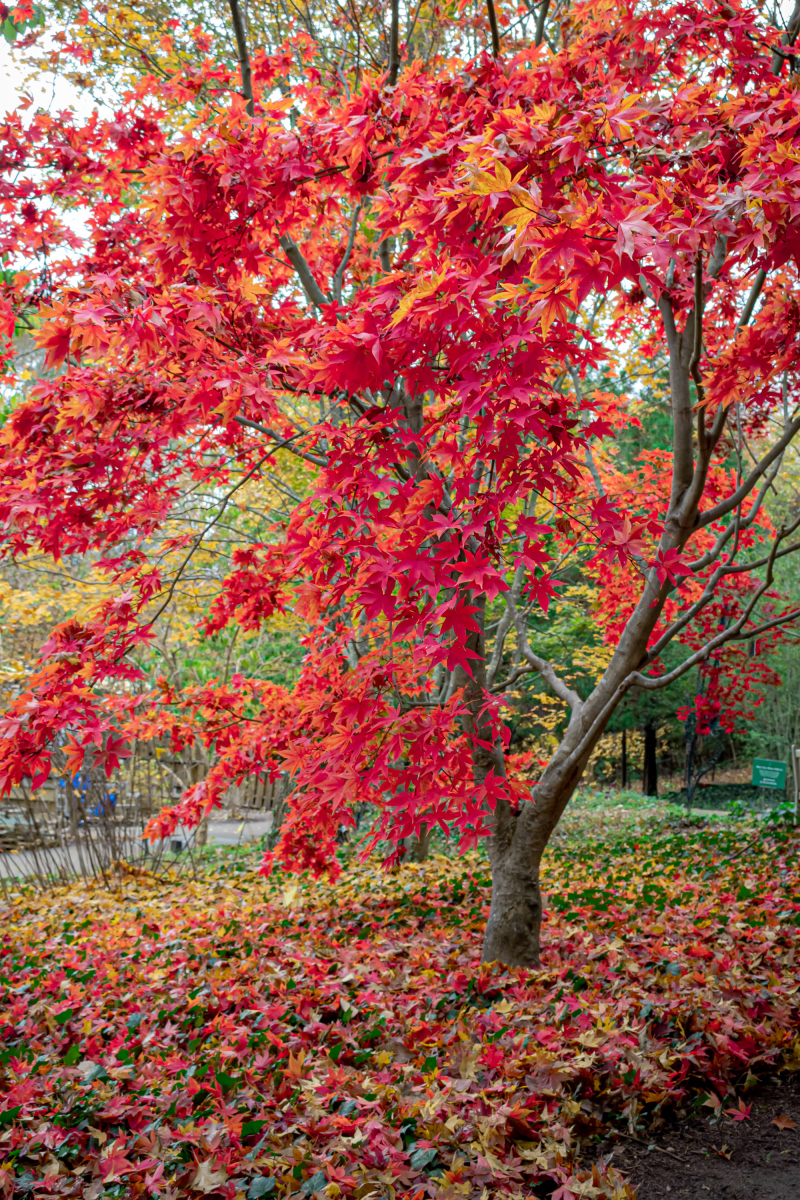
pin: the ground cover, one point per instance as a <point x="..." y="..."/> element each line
<point x="234" y="1037"/>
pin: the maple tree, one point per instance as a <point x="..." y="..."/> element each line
<point x="419" y="287"/>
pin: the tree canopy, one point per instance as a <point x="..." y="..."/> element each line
<point x="525" y="322"/>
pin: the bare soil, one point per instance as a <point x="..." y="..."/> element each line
<point x="720" y="1158"/>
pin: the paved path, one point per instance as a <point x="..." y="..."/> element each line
<point x="77" y="859"/>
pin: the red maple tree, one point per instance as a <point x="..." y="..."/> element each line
<point x="417" y="287"/>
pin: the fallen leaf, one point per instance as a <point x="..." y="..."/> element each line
<point x="206" y="1179"/>
<point x="742" y="1113"/>
<point x="784" y="1122"/>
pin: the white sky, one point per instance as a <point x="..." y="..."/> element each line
<point x="52" y="93"/>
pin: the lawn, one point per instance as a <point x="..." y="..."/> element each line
<point x="234" y="1037"/>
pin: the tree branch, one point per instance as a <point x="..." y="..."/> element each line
<point x="718" y="255"/>
<point x="394" y="46"/>
<point x="788" y="39"/>
<point x="755" y="292"/>
<point x="493" y="27"/>
<point x="310" y="286"/>
<point x="722" y="509"/>
<point x="244" y="57"/>
<point x="713" y="554"/>
<point x="653" y="683"/>
<point x="280" y="443"/>
<point x="539" y="34"/>
<point x="545" y="669"/>
<point x="504" y="625"/>
<point x="339" y="275"/>
<point x="767" y="625"/>
<point x="683" y="472"/>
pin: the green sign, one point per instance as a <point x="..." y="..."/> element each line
<point x="768" y="772"/>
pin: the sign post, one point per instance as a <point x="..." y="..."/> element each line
<point x="769" y="773"/>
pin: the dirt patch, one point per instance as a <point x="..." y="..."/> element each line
<point x="691" y="1159"/>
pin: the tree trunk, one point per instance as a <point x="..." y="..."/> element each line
<point x="515" y="850"/>
<point x="515" y="918"/>
<point x="650" y="772"/>
<point x="417" y="848"/>
<point x="201" y="837"/>
<point x="519" y="839"/>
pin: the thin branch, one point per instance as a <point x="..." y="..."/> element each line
<point x="717" y="260"/>
<point x="539" y="34"/>
<point x="493" y="28"/>
<point x="311" y="288"/>
<point x="504" y="626"/>
<point x="755" y="292"/>
<point x="545" y="669"/>
<point x="280" y="443"/>
<point x="713" y="554"/>
<point x="244" y="57"/>
<point x="766" y="625"/>
<point x="199" y="539"/>
<point x="697" y="344"/>
<point x="788" y="39"/>
<point x="587" y="450"/>
<point x="339" y="275"/>
<point x="394" y="47"/>
<point x="722" y="509"/>
<point x="652" y="683"/>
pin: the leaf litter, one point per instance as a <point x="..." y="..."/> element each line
<point x="231" y="1037"/>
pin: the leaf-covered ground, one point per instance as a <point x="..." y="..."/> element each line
<point x="233" y="1037"/>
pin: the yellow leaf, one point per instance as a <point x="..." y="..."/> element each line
<point x="485" y="184"/>
<point x="521" y="217"/>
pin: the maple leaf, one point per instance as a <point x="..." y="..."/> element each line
<point x="207" y="1179"/>
<point x="486" y="185"/>
<point x="671" y="565"/>
<point x="741" y="1112"/>
<point x="459" y="618"/>
<point x="554" y="306"/>
<point x="632" y="224"/>
<point x="783" y="1121"/>
<point x="115" y="1164"/>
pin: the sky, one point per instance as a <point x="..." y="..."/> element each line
<point x="52" y="93"/>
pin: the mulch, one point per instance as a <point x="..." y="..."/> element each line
<point x="719" y="1157"/>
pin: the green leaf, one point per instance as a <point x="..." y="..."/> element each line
<point x="72" y="1056"/>
<point x="262" y="1185"/>
<point x="422" y="1158"/>
<point x="315" y="1184"/>
<point x="251" y="1127"/>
